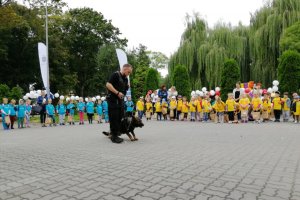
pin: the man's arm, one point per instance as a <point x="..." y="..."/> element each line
<point x="111" y="88"/>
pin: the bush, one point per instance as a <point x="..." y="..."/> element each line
<point x="229" y="77"/>
<point x="181" y="81"/>
<point x="289" y="71"/>
<point x="152" y="80"/>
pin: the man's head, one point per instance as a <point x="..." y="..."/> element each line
<point x="126" y="69"/>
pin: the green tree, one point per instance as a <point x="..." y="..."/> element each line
<point x="181" y="81"/>
<point x="152" y="80"/>
<point x="230" y="75"/>
<point x="289" y="71"/>
<point x="4" y="91"/>
<point x="158" y="59"/>
<point x="16" y="93"/>
<point x="291" y="38"/>
<point x="87" y="31"/>
<point x="107" y="63"/>
<point x="139" y="59"/>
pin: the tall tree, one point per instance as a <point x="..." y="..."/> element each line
<point x="291" y="38"/>
<point x="289" y="71"/>
<point x="152" y="80"/>
<point x="181" y="81"/>
<point x="87" y="31"/>
<point x="230" y="76"/>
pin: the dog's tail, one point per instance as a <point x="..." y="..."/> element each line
<point x="106" y="133"/>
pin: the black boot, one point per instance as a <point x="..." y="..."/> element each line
<point x="116" y="139"/>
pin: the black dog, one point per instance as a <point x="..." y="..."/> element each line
<point x="128" y="124"/>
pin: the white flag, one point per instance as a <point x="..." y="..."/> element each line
<point x="43" y="63"/>
<point x="122" y="57"/>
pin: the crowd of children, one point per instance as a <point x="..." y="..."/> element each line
<point x="10" y="112"/>
<point x="259" y="107"/>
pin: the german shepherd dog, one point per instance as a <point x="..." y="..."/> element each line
<point x="127" y="127"/>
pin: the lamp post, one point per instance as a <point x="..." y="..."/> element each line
<point x="47" y="47"/>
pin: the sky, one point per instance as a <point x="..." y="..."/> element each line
<point x="159" y="24"/>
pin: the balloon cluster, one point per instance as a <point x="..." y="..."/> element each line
<point x="72" y="98"/>
<point x="205" y="92"/>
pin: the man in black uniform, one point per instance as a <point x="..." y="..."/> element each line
<point x="117" y="86"/>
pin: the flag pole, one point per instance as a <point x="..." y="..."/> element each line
<point x="47" y="50"/>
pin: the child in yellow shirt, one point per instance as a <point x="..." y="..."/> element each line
<point x="158" y="109"/>
<point x="140" y="107"/>
<point x="230" y="107"/>
<point x="266" y="107"/>
<point x="192" y="107"/>
<point x="219" y="107"/>
<point x="206" y="108"/>
<point x="148" y="109"/>
<point x="277" y="106"/>
<point x="244" y="107"/>
<point x="164" y="107"/>
<point x="256" y="104"/>
<point x="179" y="107"/>
<point x="173" y="106"/>
<point x="286" y="107"/>
<point x="297" y="112"/>
<point x="199" y="114"/>
<point x="185" y="109"/>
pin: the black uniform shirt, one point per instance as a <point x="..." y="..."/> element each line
<point x="120" y="83"/>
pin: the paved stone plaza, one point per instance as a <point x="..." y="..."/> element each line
<point x="172" y="160"/>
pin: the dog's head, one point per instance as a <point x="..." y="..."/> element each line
<point x="137" y="122"/>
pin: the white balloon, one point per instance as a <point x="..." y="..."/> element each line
<point x="86" y="99"/>
<point x="275" y="83"/>
<point x="32" y="92"/>
<point x="93" y="99"/>
<point x="102" y="98"/>
<point x="275" y="88"/>
<point x="77" y="98"/>
<point x="212" y="93"/>
<point x="175" y="93"/>
<point x="204" y="89"/>
<point x="25" y="97"/>
<point x="98" y="97"/>
<point x="68" y="99"/>
<point x="201" y="94"/>
<point x="72" y="98"/>
<point x="218" y="89"/>
<point x="198" y="92"/>
<point x="242" y="90"/>
<point x="39" y="92"/>
<point x="193" y="93"/>
<point x="36" y="96"/>
<point x="62" y="97"/>
<point x="270" y="90"/>
<point x="56" y="95"/>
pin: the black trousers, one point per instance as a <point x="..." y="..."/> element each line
<point x="178" y="113"/>
<point x="90" y="117"/>
<point x="277" y="114"/>
<point x="115" y="116"/>
<point x="231" y="115"/>
<point x="42" y="117"/>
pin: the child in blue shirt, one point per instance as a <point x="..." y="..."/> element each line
<point x="81" y="108"/>
<point x="71" y="108"/>
<point x="105" y="109"/>
<point x="90" y="110"/>
<point x="50" y="111"/>
<point x="129" y="105"/>
<point x="12" y="116"/>
<point x="61" y="110"/>
<point x="99" y="111"/>
<point x="28" y="112"/>
<point x="21" y="114"/>
<point x="5" y="112"/>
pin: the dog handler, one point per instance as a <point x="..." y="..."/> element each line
<point x="117" y="86"/>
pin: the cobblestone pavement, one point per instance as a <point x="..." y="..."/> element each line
<point x="172" y="160"/>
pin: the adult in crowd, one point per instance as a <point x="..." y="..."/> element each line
<point x="42" y="102"/>
<point x="117" y="86"/>
<point x="237" y="92"/>
<point x="172" y="92"/>
<point x="154" y="97"/>
<point x="163" y="93"/>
